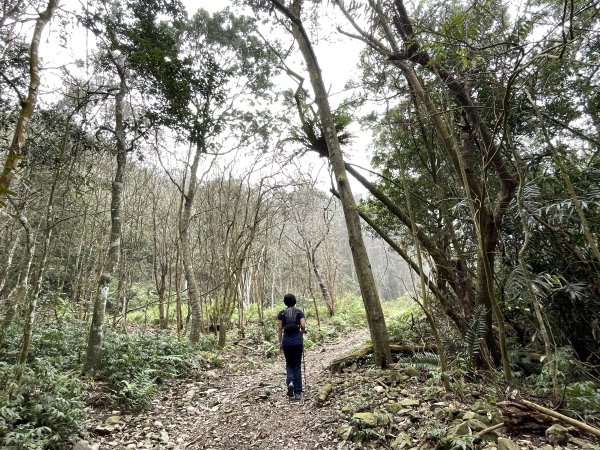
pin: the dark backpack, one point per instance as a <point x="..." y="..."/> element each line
<point x="291" y="324"/>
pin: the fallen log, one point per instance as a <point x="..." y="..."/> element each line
<point x="549" y="412"/>
<point x="520" y="419"/>
<point x="361" y="354"/>
<point x="521" y="415"/>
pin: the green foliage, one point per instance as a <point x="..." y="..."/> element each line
<point x="46" y="410"/>
<point x="465" y="442"/>
<point x="474" y="335"/>
<point x="133" y="365"/>
<point x="402" y="324"/>
<point x="318" y="336"/>
<point x="352" y="310"/>
<point x="435" y="430"/>
<point x="135" y="394"/>
<point x="583" y="397"/>
<point x="423" y="361"/>
<point x="580" y="389"/>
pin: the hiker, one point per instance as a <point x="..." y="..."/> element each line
<point x="290" y="327"/>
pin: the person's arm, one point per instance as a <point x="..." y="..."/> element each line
<point x="303" y="325"/>
<point x="279" y="332"/>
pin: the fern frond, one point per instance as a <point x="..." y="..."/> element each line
<point x="474" y="334"/>
<point x="421" y="361"/>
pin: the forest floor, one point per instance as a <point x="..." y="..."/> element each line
<point x="240" y="406"/>
<point x="243" y="406"/>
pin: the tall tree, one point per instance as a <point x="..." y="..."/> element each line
<point x="374" y="312"/>
<point x="142" y="51"/>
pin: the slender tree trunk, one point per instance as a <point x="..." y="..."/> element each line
<point x="15" y="151"/>
<point x="322" y="286"/>
<point x="96" y="335"/>
<point x="9" y="260"/>
<point x="37" y="285"/>
<point x="374" y="312"/>
<point x="186" y="252"/>
<point x="18" y="295"/>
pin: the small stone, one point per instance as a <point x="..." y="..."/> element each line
<point x="476" y="425"/>
<point x="507" y="444"/>
<point x="379" y="389"/>
<point x="164" y="436"/>
<point x="371" y="420"/>
<point x="157" y="424"/>
<point x="557" y="435"/>
<point x="439" y="414"/>
<point x="189" y="395"/>
<point x="462" y="429"/>
<point x="393" y="407"/>
<point x="85" y="445"/>
<point x="344" y="432"/>
<point x="113" y="420"/>
<point x="411" y="371"/>
<point x="403" y="441"/>
<point x="409" y="402"/>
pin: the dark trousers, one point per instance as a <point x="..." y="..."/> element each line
<point x="293" y="366"/>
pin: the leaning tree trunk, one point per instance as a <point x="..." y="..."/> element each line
<point x="374" y="312"/>
<point x="320" y="281"/>
<point x="15" y="151"/>
<point x="96" y="336"/>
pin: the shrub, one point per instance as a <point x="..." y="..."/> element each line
<point x="133" y="365"/>
<point x="45" y="412"/>
<point x="401" y="323"/>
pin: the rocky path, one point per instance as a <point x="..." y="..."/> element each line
<point x="225" y="409"/>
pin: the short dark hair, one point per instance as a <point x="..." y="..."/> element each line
<point x="289" y="299"/>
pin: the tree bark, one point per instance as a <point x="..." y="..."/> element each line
<point x="186" y="253"/>
<point x="96" y="335"/>
<point x="15" y="151"/>
<point x="374" y="312"/>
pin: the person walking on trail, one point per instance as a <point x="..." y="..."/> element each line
<point x="291" y="326"/>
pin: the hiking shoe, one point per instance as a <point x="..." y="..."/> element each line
<point x="297" y="396"/>
<point x="290" y="389"/>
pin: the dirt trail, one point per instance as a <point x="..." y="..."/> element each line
<point x="244" y="410"/>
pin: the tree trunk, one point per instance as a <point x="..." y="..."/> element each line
<point x="37" y="285"/>
<point x="15" y="151"/>
<point x="186" y="253"/>
<point x="374" y="312"/>
<point x="321" y="283"/>
<point x="19" y="293"/>
<point x="9" y="260"/>
<point x="96" y="336"/>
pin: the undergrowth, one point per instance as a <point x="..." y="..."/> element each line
<point x="46" y="410"/>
